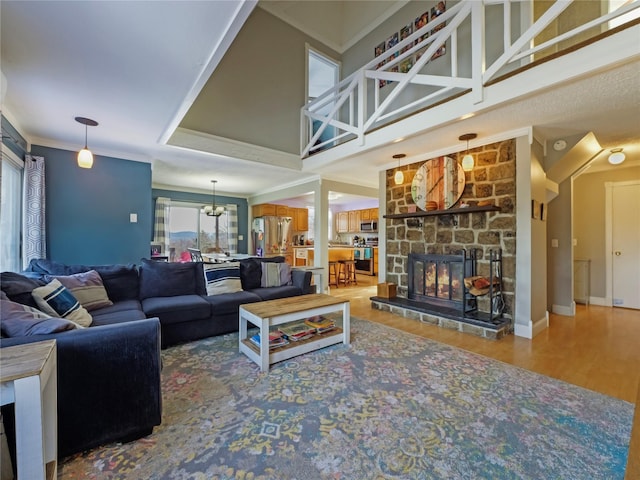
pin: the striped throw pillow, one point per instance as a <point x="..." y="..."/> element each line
<point x="222" y="278"/>
<point x="56" y="300"/>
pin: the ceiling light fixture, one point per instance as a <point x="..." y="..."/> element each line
<point x="616" y="157"/>
<point x="398" y="178"/>
<point x="85" y="157"/>
<point x="467" y="160"/>
<point x="214" y="210"/>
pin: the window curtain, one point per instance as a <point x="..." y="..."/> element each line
<point x="161" y="223"/>
<point x="34" y="210"/>
<point x="232" y="228"/>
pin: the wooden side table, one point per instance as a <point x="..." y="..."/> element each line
<point x="28" y="379"/>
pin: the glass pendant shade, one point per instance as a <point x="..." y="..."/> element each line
<point x="85" y="158"/>
<point x="398" y="178"/>
<point x="467" y="163"/>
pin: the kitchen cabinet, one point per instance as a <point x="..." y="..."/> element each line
<point x="374" y="213"/>
<point x="283" y="211"/>
<point x="354" y="220"/>
<point x="303" y="257"/>
<point x="300" y="219"/>
<point x="263" y="210"/>
<point x="365" y="215"/>
<point x="342" y="222"/>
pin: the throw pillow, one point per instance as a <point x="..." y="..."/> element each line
<point x="17" y="320"/>
<point x="56" y="300"/>
<point x="222" y="278"/>
<point x="275" y="274"/>
<point x="165" y="279"/>
<point x="87" y="287"/>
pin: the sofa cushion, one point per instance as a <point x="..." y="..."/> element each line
<point x="56" y="300"/>
<point x="222" y="278"/>
<point x="272" y="293"/>
<point x="165" y="279"/>
<point x="275" y="274"/>
<point x="227" y="303"/>
<point x="120" y="281"/>
<point x="18" y="320"/>
<point x="119" y="312"/>
<point x="18" y="287"/>
<point x="177" y="308"/>
<point x="251" y="270"/>
<point x="87" y="287"/>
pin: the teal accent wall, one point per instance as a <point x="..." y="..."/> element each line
<point x="243" y="209"/>
<point x="87" y="211"/>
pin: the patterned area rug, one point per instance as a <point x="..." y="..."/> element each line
<point x="389" y="406"/>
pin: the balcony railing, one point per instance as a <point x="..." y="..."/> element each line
<point x="379" y="93"/>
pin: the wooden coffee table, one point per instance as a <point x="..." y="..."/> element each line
<point x="285" y="310"/>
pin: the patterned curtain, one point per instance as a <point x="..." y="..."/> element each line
<point x="232" y="223"/>
<point x="33" y="218"/>
<point x="161" y="223"/>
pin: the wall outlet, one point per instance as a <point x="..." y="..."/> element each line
<point x="240" y="237"/>
<point x="554" y="242"/>
<point x="133" y="217"/>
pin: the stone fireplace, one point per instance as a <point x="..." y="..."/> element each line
<point x="448" y="232"/>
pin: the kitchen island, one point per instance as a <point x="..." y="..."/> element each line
<point x="365" y="256"/>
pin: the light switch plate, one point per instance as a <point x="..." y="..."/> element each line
<point x="133" y="217"/>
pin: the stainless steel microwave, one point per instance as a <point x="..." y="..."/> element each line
<point x="371" y="226"/>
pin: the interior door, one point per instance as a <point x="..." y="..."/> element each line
<point x="625" y="229"/>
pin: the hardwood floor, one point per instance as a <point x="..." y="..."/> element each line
<point x="598" y="349"/>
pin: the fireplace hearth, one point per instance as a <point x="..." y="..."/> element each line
<point x="438" y="293"/>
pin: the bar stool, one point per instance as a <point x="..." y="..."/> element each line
<point x="333" y="272"/>
<point x="349" y="272"/>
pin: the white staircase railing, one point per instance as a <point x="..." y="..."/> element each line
<point x="349" y="110"/>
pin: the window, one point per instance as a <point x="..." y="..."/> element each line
<point x="10" y="212"/>
<point x="323" y="73"/>
<point x="189" y="227"/>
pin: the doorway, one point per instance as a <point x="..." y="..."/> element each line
<point x="622" y="224"/>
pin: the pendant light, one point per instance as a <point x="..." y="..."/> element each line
<point x="616" y="157"/>
<point x="467" y="160"/>
<point x="214" y="210"/>
<point x="398" y="178"/>
<point x="85" y="157"/>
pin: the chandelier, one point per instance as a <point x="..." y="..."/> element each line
<point x="214" y="210"/>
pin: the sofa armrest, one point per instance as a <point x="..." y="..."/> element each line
<point x="108" y="383"/>
<point x="302" y="280"/>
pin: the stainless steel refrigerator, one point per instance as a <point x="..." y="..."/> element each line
<point x="271" y="236"/>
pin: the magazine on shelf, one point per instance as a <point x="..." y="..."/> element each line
<point x="276" y="339"/>
<point x="297" y="331"/>
<point x="320" y="323"/>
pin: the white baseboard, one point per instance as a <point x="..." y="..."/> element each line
<point x="600" y="301"/>
<point x="541" y="324"/>
<point x="568" y="311"/>
<point x="532" y="328"/>
<point x="525" y="331"/>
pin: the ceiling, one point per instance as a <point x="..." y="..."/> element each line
<point x="116" y="62"/>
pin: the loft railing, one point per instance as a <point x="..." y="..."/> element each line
<point x="379" y="93"/>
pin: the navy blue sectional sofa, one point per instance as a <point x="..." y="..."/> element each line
<point x="109" y="374"/>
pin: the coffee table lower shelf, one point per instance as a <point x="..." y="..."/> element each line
<point x="285" y="311"/>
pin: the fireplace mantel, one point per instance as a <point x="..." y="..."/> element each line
<point x="450" y="211"/>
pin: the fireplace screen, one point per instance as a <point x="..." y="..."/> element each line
<point x="439" y="279"/>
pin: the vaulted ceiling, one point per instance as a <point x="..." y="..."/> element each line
<point x="137" y="68"/>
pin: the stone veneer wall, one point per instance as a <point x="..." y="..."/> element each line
<point x="493" y="178"/>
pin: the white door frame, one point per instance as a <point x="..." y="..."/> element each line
<point x="608" y="221"/>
